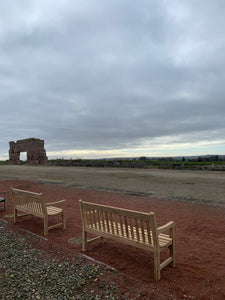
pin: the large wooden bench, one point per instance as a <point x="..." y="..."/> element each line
<point x="130" y="227"/>
<point x="33" y="204"/>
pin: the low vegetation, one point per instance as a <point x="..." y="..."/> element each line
<point x="213" y="162"/>
<point x="209" y="162"/>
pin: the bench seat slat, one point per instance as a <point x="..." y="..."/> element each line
<point x="51" y="210"/>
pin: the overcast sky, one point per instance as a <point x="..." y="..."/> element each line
<point x="117" y="78"/>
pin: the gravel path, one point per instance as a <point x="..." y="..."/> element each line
<point x="29" y="273"/>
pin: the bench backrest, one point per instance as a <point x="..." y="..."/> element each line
<point x="29" y="202"/>
<point x="121" y="222"/>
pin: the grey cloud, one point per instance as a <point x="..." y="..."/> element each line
<point x="108" y="75"/>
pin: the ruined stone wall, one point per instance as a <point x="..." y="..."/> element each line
<point x="36" y="154"/>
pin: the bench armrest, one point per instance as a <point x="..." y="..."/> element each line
<point x="166" y="227"/>
<point x="57" y="202"/>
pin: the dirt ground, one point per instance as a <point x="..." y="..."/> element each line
<point x="206" y="187"/>
<point x="199" y="233"/>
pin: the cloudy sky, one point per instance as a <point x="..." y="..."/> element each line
<point x="99" y="78"/>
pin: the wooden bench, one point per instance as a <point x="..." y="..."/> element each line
<point x="34" y="204"/>
<point x="130" y="227"/>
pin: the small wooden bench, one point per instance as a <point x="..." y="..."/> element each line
<point x="130" y="227"/>
<point x="33" y="204"/>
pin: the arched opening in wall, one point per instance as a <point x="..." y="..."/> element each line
<point x="23" y="157"/>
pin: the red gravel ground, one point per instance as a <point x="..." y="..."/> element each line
<point x="199" y="234"/>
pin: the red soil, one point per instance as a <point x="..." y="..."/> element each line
<point x="199" y="234"/>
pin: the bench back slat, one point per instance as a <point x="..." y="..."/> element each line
<point x="111" y="221"/>
<point x="107" y="222"/>
<point x="117" y="226"/>
<point x="94" y="219"/>
<point x="126" y="226"/>
<point x="102" y="220"/>
<point x="148" y="233"/>
<point x="131" y="227"/>
<point x="121" y="225"/>
<point x="137" y="229"/>
<point x="153" y="225"/>
<point x="142" y="230"/>
<point x="99" y="220"/>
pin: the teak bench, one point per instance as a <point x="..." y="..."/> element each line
<point x="33" y="204"/>
<point x="130" y="227"/>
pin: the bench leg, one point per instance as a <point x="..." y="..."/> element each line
<point x="172" y="254"/>
<point x="172" y="247"/>
<point x="45" y="226"/>
<point x="84" y="240"/>
<point x="15" y="215"/>
<point x="64" y="220"/>
<point x="157" y="265"/>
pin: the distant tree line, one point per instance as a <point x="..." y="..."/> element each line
<point x="213" y="162"/>
<point x="209" y="162"/>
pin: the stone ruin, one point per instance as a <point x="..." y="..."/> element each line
<point x="36" y="154"/>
